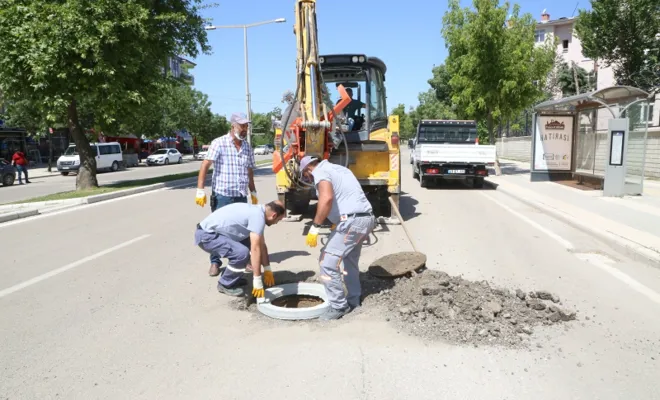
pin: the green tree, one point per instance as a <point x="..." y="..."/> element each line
<point x="492" y="61"/>
<point x="573" y="79"/>
<point x="431" y="108"/>
<point x="624" y="35"/>
<point x="440" y="83"/>
<point x="101" y="52"/>
<point x="406" y="127"/>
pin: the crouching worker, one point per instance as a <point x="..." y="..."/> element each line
<point x="342" y="201"/>
<point x="236" y="232"/>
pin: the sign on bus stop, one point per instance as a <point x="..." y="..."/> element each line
<point x="553" y="143"/>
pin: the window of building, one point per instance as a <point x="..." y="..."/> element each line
<point x="564" y="45"/>
<point x="539" y="36"/>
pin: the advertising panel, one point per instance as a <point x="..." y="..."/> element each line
<point x="553" y="143"/>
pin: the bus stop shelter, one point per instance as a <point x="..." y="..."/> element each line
<point x="599" y="135"/>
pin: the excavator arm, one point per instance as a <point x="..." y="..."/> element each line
<point x="308" y="133"/>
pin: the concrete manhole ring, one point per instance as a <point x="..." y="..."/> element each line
<point x="300" y="288"/>
<point x="397" y="264"/>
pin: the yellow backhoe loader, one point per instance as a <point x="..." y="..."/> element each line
<point x="355" y="131"/>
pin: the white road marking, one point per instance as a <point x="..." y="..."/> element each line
<point x="604" y="264"/>
<point x="597" y="260"/>
<point x="37" y="279"/>
<point x="565" y="243"/>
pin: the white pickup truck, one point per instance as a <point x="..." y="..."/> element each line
<point x="450" y="149"/>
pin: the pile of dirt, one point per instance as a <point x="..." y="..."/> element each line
<point x="435" y="305"/>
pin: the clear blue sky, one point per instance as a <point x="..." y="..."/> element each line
<point x="404" y="34"/>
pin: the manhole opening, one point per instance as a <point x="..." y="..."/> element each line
<point x="297" y="301"/>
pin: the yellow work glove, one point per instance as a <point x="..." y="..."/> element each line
<point x="332" y="228"/>
<point x="257" y="287"/>
<point x="200" y="199"/>
<point x="253" y="197"/>
<point x="312" y="236"/>
<point x="269" y="279"/>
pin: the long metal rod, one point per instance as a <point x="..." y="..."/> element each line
<point x="403" y="223"/>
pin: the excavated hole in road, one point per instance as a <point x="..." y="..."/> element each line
<point x="297" y="301"/>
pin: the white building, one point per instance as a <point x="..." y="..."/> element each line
<point x="570" y="48"/>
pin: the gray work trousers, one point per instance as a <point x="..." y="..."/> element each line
<point x="343" y="248"/>
<point x="237" y="253"/>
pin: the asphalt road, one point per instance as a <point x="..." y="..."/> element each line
<point x="113" y="301"/>
<point x="58" y="183"/>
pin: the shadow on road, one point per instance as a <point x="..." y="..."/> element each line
<point x="282" y="277"/>
<point x="407" y="206"/>
<point x="455" y="185"/>
<point x="285" y="255"/>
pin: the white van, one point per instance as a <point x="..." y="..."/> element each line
<point x="108" y="157"/>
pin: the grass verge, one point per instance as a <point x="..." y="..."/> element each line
<point x="113" y="187"/>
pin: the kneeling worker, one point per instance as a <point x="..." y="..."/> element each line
<point x="236" y="232"/>
<point x="342" y="201"/>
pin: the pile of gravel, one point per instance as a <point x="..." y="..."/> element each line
<point x="435" y="305"/>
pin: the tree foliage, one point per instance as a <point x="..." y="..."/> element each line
<point x="492" y="61"/>
<point x="103" y="53"/>
<point x="624" y="34"/>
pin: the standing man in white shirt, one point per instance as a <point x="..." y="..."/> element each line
<point x="233" y="164"/>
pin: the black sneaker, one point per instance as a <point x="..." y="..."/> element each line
<point x="236" y="291"/>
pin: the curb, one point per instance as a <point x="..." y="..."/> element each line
<point x="632" y="249"/>
<point x="17" y="215"/>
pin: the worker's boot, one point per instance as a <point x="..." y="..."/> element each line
<point x="334" y="313"/>
<point x="214" y="270"/>
<point x="236" y="291"/>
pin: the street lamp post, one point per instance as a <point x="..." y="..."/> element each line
<point x="245" y="50"/>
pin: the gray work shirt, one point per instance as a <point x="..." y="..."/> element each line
<point x="236" y="221"/>
<point x="349" y="198"/>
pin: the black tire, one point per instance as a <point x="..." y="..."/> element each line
<point x="64" y="173"/>
<point x="415" y="174"/>
<point x="478" y="183"/>
<point x="114" y="166"/>
<point x="8" y="179"/>
<point x="180" y="160"/>
<point x="167" y="161"/>
<point x="423" y="182"/>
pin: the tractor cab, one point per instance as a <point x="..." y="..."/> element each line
<point x="364" y="80"/>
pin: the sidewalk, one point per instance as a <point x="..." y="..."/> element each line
<point x="630" y="223"/>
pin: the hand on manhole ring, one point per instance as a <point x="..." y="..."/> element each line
<point x="276" y="306"/>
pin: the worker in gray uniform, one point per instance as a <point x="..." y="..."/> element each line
<point x="342" y="201"/>
<point x="236" y="232"/>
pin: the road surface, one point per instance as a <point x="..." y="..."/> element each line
<point x="57" y="183"/>
<point x="113" y="300"/>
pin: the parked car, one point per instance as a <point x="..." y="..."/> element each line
<point x="271" y="148"/>
<point x="108" y="156"/>
<point x="8" y="173"/>
<point x="202" y="154"/>
<point x="261" y="150"/>
<point x="164" y="157"/>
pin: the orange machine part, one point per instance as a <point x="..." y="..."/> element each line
<point x="278" y="162"/>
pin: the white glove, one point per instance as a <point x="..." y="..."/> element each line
<point x="258" y="288"/>
<point x="200" y="198"/>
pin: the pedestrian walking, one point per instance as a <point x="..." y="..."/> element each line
<point x="236" y="232"/>
<point x="342" y="201"/>
<point x="21" y="162"/>
<point x="233" y="164"/>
